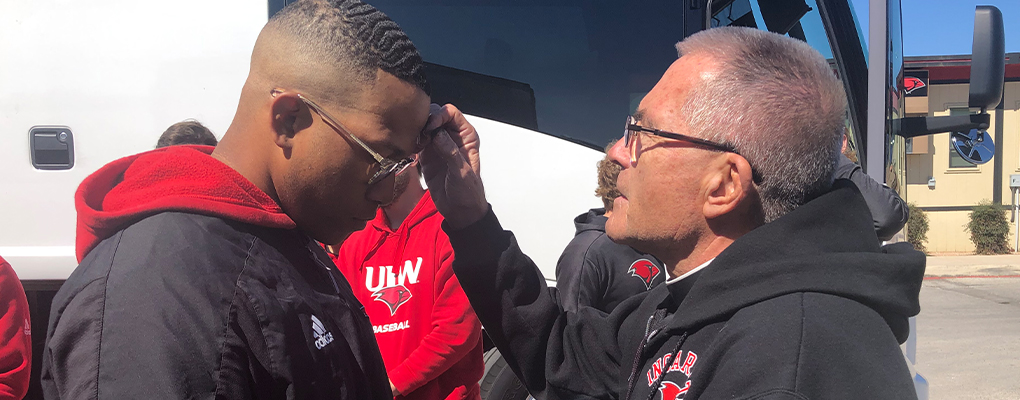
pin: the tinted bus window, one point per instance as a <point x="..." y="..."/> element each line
<point x="799" y="19"/>
<point x="586" y="64"/>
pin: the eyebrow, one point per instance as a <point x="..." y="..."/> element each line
<point x="641" y="116"/>
<point x="638" y="115"/>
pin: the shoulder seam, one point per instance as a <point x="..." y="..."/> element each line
<point x="582" y="269"/>
<point x="800" y="349"/>
<point x="238" y="293"/>
<point x="102" y="313"/>
<point x="587" y="249"/>
<point x="254" y="240"/>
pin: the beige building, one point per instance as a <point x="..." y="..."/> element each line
<point x="938" y="179"/>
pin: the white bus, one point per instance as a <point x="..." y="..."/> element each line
<point x="547" y="83"/>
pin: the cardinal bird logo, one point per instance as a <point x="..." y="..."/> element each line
<point x="670" y="390"/>
<point x="645" y="270"/>
<point x="393" y="296"/>
<point x="911" y="84"/>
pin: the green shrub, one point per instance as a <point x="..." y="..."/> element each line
<point x="917" y="227"/>
<point x="989" y="229"/>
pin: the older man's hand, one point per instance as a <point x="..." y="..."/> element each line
<point x="452" y="168"/>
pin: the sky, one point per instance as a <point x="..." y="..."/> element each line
<point x="946" y="27"/>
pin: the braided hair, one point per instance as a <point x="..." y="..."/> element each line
<point x="353" y="35"/>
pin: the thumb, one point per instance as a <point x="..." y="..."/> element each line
<point x="433" y="163"/>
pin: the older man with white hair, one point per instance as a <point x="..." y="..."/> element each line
<point x="777" y="289"/>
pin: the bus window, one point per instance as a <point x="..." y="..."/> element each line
<point x="798" y="19"/>
<point x="737" y="13"/>
<point x="587" y="63"/>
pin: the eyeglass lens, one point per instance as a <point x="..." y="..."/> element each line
<point x="629" y="138"/>
<point x="395" y="168"/>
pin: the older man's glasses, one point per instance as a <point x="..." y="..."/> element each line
<point x="632" y="130"/>
<point x="387" y="166"/>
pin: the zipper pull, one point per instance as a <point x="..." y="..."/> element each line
<point x="311" y="253"/>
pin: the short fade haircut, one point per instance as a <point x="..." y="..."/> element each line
<point x="777" y="102"/>
<point x="353" y="35"/>
<point x="609" y="170"/>
<point x="186" y="132"/>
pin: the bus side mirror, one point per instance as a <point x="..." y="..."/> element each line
<point x="988" y="58"/>
<point x="987" y="75"/>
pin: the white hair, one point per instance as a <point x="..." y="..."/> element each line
<point x="777" y="102"/>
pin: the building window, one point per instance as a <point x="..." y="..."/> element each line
<point x="955" y="161"/>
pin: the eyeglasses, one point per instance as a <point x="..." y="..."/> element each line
<point x="387" y="166"/>
<point x="632" y="129"/>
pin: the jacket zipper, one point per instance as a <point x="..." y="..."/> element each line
<point x="336" y="288"/>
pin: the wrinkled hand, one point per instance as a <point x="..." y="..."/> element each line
<point x="452" y="168"/>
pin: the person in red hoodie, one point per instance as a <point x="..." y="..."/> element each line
<point x="400" y="267"/>
<point x="15" y="336"/>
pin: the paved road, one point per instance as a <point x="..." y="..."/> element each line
<point x="969" y="338"/>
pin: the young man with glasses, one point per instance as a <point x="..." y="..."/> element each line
<point x="777" y="288"/>
<point x="201" y="275"/>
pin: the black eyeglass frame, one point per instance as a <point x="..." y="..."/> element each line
<point x="630" y="134"/>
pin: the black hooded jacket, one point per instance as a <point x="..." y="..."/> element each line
<point x="194" y="284"/>
<point x="808" y="306"/>
<point x="888" y="210"/>
<point x="596" y="272"/>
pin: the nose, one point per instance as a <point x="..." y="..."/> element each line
<point x="620" y="154"/>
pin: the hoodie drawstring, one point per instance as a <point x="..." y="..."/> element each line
<point x="675" y="353"/>
<point x="637" y="355"/>
<point x="373" y="249"/>
<point x="651" y="328"/>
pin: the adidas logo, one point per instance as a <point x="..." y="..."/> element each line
<point x="322" y="337"/>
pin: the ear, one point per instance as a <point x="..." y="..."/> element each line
<point x="289" y="116"/>
<point x="728" y="185"/>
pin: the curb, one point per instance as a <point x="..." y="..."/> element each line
<point x="971" y="271"/>
<point x="935" y="278"/>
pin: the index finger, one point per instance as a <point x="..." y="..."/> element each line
<point x="437" y="118"/>
<point x="432" y="127"/>
<point x="451" y="118"/>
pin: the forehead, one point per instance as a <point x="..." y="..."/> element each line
<point x="661" y="107"/>
<point x="396" y="110"/>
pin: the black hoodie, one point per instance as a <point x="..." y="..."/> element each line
<point x="888" y="210"/>
<point x="808" y="306"/>
<point x="596" y="272"/>
<point x="194" y="284"/>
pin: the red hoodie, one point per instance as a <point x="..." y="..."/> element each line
<point x="428" y="334"/>
<point x="175" y="178"/>
<point x="15" y="336"/>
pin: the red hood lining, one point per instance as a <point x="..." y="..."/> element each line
<point x="176" y="178"/>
